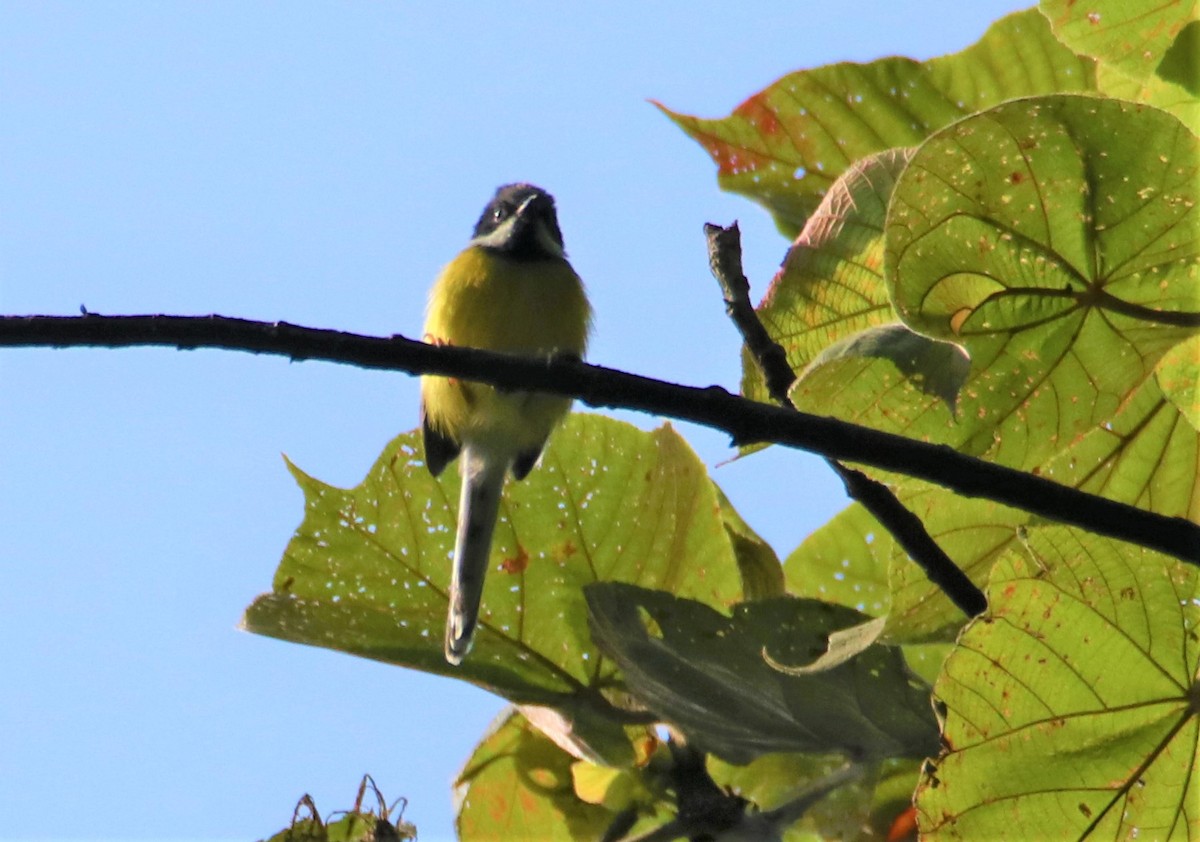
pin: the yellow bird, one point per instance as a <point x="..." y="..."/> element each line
<point x="510" y="290"/>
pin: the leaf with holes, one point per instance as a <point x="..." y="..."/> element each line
<point x="1073" y="706"/>
<point x="849" y="561"/>
<point x="844" y="562"/>
<point x="367" y="570"/>
<point x="713" y="676"/>
<point x="1057" y="239"/>
<point x="785" y="146"/>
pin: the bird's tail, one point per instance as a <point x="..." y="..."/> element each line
<point x="482" y="484"/>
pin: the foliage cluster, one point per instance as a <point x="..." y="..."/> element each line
<point x="996" y="250"/>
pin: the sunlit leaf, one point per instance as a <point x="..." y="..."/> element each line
<point x="831" y="283"/>
<point x="367" y="570"/>
<point x="518" y="785"/>
<point x="844" y="562"/>
<point x="1005" y="235"/>
<point x="1148" y="454"/>
<point x="847" y="562"/>
<point x="1131" y="35"/>
<point x="1056" y="238"/>
<point x="1178" y="377"/>
<point x="1072" y="705"/>
<point x="937" y="369"/>
<point x="709" y="674"/>
<point x="1152" y="91"/>
<point x="785" y="146"/>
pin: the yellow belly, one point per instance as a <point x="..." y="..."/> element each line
<point x="484" y="300"/>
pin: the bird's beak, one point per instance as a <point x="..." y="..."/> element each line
<point x="525" y="205"/>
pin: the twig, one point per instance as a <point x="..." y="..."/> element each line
<point x="725" y="260"/>
<point x="791" y="811"/>
<point x="703" y="809"/>
<point x="746" y="421"/>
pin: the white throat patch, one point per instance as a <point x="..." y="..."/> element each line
<point x="503" y="233"/>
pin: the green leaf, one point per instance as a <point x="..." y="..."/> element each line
<point x="1178" y="376"/>
<point x="785" y="146"/>
<point x="1180" y="64"/>
<point x="860" y="811"/>
<point x="847" y="562"/>
<point x="1072" y="704"/>
<point x="1146" y="454"/>
<point x="675" y="651"/>
<point x="1131" y="35"/>
<point x="518" y="785"/>
<point x="844" y="562"/>
<point x="937" y="369"/>
<point x="1004" y="235"/>
<point x="761" y="572"/>
<point x="1056" y="238"/>
<point x="831" y="284"/>
<point x="1152" y="91"/>
<point x="367" y="570"/>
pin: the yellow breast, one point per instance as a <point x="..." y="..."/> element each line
<point x="485" y="300"/>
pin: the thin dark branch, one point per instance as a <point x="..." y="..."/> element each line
<point x="786" y="814"/>
<point x="747" y="422"/>
<point x="725" y="259"/>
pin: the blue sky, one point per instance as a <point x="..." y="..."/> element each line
<point x="318" y="163"/>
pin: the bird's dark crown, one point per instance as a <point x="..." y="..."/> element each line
<point x="520" y="221"/>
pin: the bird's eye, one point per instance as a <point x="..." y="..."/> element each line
<point x="499" y="212"/>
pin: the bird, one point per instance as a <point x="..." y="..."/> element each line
<point x="510" y="290"/>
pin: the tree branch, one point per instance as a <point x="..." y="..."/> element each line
<point x="747" y="422"/>
<point x="725" y="260"/>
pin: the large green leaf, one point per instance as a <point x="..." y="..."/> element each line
<point x="367" y="570"/>
<point x="1057" y="238"/>
<point x="1072" y="705"/>
<point x="1079" y="305"/>
<point x="1004" y="235"/>
<point x="785" y="146"/>
<point x="674" y="653"/>
<point x="1131" y="35"/>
